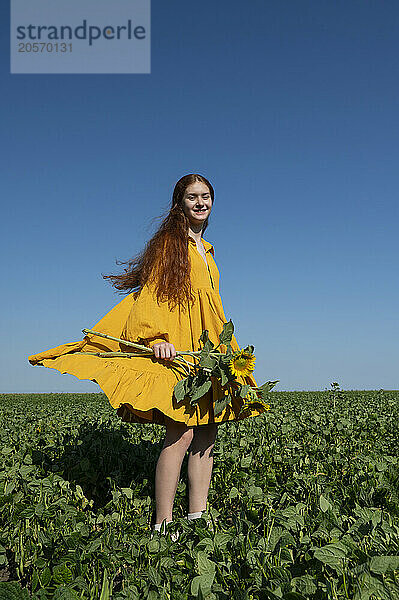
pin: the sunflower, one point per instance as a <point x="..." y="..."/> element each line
<point x="242" y="363"/>
<point x="252" y="398"/>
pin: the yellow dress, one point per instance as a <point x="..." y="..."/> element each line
<point x="141" y="387"/>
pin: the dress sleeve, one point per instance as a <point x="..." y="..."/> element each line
<point x="149" y="321"/>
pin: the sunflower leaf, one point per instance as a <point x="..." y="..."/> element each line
<point x="200" y="391"/>
<point x="225" y="373"/>
<point x="208" y="346"/>
<point x="180" y="390"/>
<point x="244" y="390"/>
<point x="217" y="371"/>
<point x="204" y="337"/>
<point x="207" y="362"/>
<point x="227" y="333"/>
<point x="200" y="384"/>
<point x="249" y="349"/>
<point x="189" y="383"/>
<point x="221" y="403"/>
<point x="266" y="387"/>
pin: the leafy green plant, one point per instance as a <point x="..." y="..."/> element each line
<point x="303" y="503"/>
<point x="335" y="393"/>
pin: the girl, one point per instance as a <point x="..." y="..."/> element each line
<point x="176" y="297"/>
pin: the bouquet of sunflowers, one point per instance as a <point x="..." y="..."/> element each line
<point x="226" y="367"/>
<point x="211" y="363"/>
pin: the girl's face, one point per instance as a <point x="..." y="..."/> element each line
<point x="197" y="203"/>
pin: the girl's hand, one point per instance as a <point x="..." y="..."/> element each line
<point x="164" y="350"/>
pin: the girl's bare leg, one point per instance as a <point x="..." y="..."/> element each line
<point x="177" y="441"/>
<point x="200" y="465"/>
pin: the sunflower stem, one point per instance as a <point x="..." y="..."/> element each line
<point x="134" y="344"/>
<point x="140" y="346"/>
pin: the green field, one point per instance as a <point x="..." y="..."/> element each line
<point x="306" y="499"/>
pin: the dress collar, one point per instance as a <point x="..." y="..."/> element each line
<point x="207" y="245"/>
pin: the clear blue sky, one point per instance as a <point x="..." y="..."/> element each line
<point x="290" y="109"/>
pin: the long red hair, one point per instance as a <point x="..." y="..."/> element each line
<point x="164" y="261"/>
